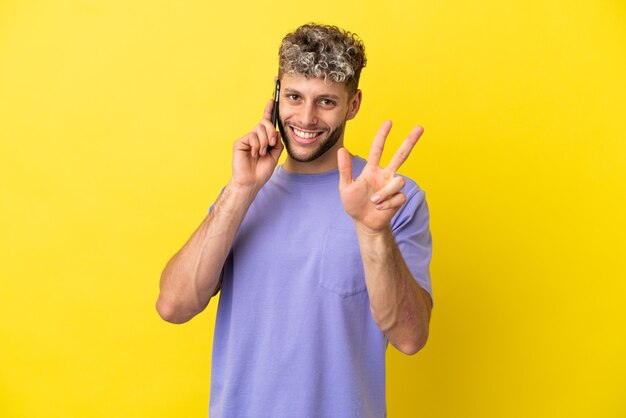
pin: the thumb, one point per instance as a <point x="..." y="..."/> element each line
<point x="344" y="162"/>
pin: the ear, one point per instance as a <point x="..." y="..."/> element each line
<point x="354" y="105"/>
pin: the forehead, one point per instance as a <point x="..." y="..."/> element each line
<point x="312" y="86"/>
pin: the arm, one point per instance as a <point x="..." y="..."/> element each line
<point x="191" y="277"/>
<point x="400" y="307"/>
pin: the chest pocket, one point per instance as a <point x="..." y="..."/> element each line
<point x="342" y="266"/>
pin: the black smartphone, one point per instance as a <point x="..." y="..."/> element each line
<point x="275" y="110"/>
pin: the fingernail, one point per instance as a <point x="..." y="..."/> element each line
<point x="375" y="198"/>
<point x="380" y="206"/>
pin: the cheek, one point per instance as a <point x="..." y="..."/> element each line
<point x="284" y="114"/>
<point x="338" y="119"/>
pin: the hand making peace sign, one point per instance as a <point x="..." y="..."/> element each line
<point x="375" y="196"/>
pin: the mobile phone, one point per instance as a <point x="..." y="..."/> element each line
<point x="275" y="109"/>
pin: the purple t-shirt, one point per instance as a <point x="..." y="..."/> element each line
<point x="294" y="335"/>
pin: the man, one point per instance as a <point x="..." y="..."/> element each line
<point x="321" y="261"/>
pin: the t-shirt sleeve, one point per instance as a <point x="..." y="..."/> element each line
<point x="412" y="233"/>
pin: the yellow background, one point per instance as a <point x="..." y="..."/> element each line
<point x="116" y="125"/>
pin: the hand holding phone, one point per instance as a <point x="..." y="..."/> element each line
<point x="256" y="154"/>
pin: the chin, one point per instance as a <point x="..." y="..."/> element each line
<point x="311" y="152"/>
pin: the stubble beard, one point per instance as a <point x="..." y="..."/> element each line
<point x="321" y="149"/>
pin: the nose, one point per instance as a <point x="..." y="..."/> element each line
<point x="309" y="115"/>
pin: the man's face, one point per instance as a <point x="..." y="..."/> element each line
<point x="313" y="116"/>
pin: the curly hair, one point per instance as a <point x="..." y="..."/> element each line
<point x="323" y="51"/>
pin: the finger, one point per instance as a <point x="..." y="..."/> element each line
<point x="344" y="162"/>
<point x="263" y="139"/>
<point x="404" y="151"/>
<point x="253" y="141"/>
<point x="376" y="151"/>
<point x="394" y="202"/>
<point x="242" y="144"/>
<point x="270" y="131"/>
<point x="277" y="148"/>
<point x="390" y="189"/>
<point x="267" y="113"/>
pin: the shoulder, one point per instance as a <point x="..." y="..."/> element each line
<point x="415" y="209"/>
<point x="411" y="188"/>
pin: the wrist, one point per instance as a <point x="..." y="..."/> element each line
<point x="365" y="230"/>
<point x="240" y="192"/>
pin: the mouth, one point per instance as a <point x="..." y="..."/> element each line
<point x="303" y="136"/>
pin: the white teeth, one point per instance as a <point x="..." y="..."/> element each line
<point x="305" y="135"/>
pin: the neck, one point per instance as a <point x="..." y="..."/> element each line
<point x="324" y="163"/>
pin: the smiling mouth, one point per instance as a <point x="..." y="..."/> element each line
<point x="305" y="135"/>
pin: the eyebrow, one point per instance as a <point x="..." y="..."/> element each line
<point x="325" y="96"/>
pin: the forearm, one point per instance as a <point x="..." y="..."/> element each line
<point x="400" y="307"/>
<point x="191" y="277"/>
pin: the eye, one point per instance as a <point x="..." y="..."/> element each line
<point x="293" y="97"/>
<point x="327" y="102"/>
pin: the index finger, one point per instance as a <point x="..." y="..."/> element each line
<point x="405" y="149"/>
<point x="267" y="113"/>
<point x="376" y="151"/>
